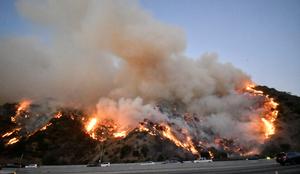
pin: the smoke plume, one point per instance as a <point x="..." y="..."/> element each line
<point x="117" y="52"/>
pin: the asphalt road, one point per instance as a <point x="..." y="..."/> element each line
<point x="250" y="166"/>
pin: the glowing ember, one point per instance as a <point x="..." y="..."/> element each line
<point x="142" y="128"/>
<point x="13" y="119"/>
<point x="7" y="134"/>
<point x="121" y="134"/>
<point x="12" y="141"/>
<point x="10" y="133"/>
<point x="211" y="155"/>
<point x="58" y="115"/>
<point x="45" y="127"/>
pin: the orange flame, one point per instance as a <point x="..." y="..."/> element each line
<point x="211" y="155"/>
<point x="23" y="106"/>
<point x="269" y="127"/>
<point x="91" y="124"/>
<point x="188" y="145"/>
<point x="58" y="115"/>
<point x="121" y="134"/>
<point x="270" y="111"/>
<point x="12" y="141"/>
<point x="7" y="134"/>
<point x="45" y="127"/>
<point x="142" y="128"/>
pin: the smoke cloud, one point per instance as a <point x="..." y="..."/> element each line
<point x="104" y="48"/>
<point x="128" y="112"/>
<point x="117" y="52"/>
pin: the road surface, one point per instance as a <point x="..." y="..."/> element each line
<point x="221" y="167"/>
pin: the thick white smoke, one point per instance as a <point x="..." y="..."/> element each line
<point x="113" y="50"/>
<point x="127" y="113"/>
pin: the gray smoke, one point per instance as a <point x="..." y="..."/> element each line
<point x="117" y="52"/>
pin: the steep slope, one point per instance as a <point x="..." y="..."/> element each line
<point x="63" y="140"/>
<point x="287" y="137"/>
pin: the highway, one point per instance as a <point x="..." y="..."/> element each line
<point x="220" y="167"/>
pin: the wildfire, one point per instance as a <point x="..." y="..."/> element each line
<point x="45" y="127"/>
<point x="155" y="129"/>
<point x="167" y="133"/>
<point x="7" y="134"/>
<point x="250" y="88"/>
<point x="121" y="134"/>
<point x="22" y="106"/>
<point x="270" y="111"/>
<point x="269" y="127"/>
<point x="58" y="115"/>
<point x="142" y="128"/>
<point x="12" y="141"/>
<point x="101" y="130"/>
<point x="91" y="124"/>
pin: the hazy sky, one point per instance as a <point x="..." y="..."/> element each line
<point x="261" y="37"/>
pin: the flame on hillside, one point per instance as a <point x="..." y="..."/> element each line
<point x="120" y="134"/>
<point x="22" y="107"/>
<point x="270" y="112"/>
<point x="58" y="115"/>
<point x="95" y="129"/>
<point x="45" y="127"/>
<point x="23" y="112"/>
<point x="7" y="134"/>
<point x="91" y="124"/>
<point x="102" y="128"/>
<point x="13" y="141"/>
<point x="166" y="132"/>
<point x="188" y="144"/>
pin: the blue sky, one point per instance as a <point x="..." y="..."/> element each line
<point x="261" y="37"/>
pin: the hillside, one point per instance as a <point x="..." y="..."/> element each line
<point x="287" y="137"/>
<point x="64" y="141"/>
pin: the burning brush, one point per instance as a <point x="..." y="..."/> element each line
<point x="26" y="122"/>
<point x="176" y="127"/>
<point x="270" y="112"/>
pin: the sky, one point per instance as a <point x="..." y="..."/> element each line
<point x="261" y="37"/>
